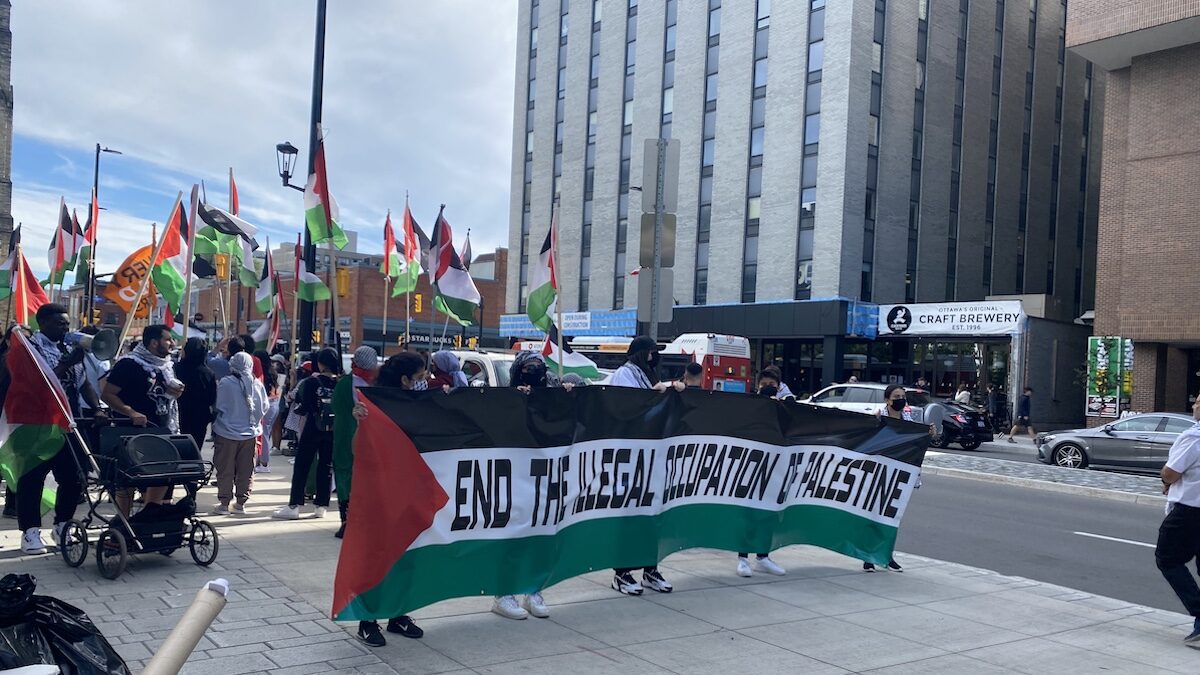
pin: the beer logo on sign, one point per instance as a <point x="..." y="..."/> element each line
<point x="899" y="319"/>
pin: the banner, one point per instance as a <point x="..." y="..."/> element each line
<point x="1000" y="317"/>
<point x="1106" y="355"/>
<point x="495" y="492"/>
<point x="126" y="281"/>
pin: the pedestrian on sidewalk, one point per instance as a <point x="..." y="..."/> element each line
<point x="314" y="403"/>
<point x="405" y="370"/>
<point x="1023" y="422"/>
<point x="640" y="371"/>
<point x="1179" y="534"/>
<point x="770" y="386"/>
<point x="963" y="397"/>
<point x="199" y="391"/>
<point x="262" y="446"/>
<point x="241" y="404"/>
<point x="364" y="367"/>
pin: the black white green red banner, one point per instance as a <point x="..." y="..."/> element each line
<point x="494" y="492"/>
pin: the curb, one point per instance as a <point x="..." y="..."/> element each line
<point x="1051" y="486"/>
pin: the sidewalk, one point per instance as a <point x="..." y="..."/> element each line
<point x="825" y="616"/>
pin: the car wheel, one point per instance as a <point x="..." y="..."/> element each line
<point x="942" y="441"/>
<point x="969" y="445"/>
<point x="1071" y="456"/>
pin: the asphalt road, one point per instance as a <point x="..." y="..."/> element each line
<point x="1021" y="451"/>
<point x="1034" y="534"/>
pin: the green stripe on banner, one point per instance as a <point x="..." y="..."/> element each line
<point x="432" y="573"/>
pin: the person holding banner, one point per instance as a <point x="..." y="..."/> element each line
<point x="769" y="383"/>
<point x="402" y="371"/>
<point x="640" y="371"/>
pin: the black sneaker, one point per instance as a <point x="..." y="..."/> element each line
<point x="625" y="583"/>
<point x="868" y="567"/>
<point x="10" y="511"/>
<point x="895" y="566"/>
<point x="654" y="579"/>
<point x="370" y="635"/>
<point x="341" y="531"/>
<point x="404" y="625"/>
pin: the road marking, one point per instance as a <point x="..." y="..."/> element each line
<point x="1116" y="539"/>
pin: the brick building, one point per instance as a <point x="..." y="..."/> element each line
<point x="1146" y="279"/>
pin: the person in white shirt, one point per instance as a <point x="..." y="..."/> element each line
<point x="963" y="397"/>
<point x="1179" y="534"/>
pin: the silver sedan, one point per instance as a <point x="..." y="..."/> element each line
<point x="1136" y="442"/>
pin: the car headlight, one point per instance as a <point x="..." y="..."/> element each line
<point x="1047" y="439"/>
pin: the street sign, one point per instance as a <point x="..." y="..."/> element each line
<point x="646" y="254"/>
<point x="666" y="297"/>
<point x="670" y="186"/>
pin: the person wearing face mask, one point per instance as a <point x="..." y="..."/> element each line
<point x="770" y="383"/>
<point x="363" y="370"/>
<point x="241" y="404"/>
<point x="405" y="370"/>
<point x="896" y="407"/>
<point x="640" y="371"/>
<point x="316" y="436"/>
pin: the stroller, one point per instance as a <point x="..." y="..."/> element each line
<point x="129" y="458"/>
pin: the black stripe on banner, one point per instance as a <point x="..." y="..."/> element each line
<point x="505" y="417"/>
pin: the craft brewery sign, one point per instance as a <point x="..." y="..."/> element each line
<point x="1002" y="317"/>
<point x="496" y="492"/>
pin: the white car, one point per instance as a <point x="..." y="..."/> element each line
<point x="867" y="397"/>
<point x="486" y="369"/>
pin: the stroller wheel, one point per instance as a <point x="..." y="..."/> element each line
<point x="73" y="544"/>
<point x="112" y="554"/>
<point x="203" y="543"/>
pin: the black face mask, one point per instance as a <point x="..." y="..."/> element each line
<point x="898" y="403"/>
<point x="532" y="376"/>
<point x="768" y="391"/>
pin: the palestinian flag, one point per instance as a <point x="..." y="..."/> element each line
<point x="28" y="294"/>
<point x="36" y="416"/>
<point x="412" y="248"/>
<point x="84" y="269"/>
<point x="571" y="361"/>
<point x="266" y="336"/>
<point x="466" y="252"/>
<point x="320" y="208"/>
<point x="390" y="267"/>
<point x="62" y="251"/>
<point x="265" y="298"/>
<point x="175" y="324"/>
<point x="6" y="267"/>
<point x="474" y="504"/>
<point x="170" y="266"/>
<point x="455" y="294"/>
<point x="543" y="286"/>
<point x="309" y="286"/>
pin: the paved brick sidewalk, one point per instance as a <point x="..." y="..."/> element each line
<point x="825" y="616"/>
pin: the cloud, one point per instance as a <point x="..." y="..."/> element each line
<point x="418" y="98"/>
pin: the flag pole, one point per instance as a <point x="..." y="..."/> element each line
<point x="221" y="302"/>
<point x="557" y="299"/>
<point x="295" y="308"/>
<point x="387" y="286"/>
<point x="187" y="274"/>
<point x="137" y="299"/>
<point x="445" y="327"/>
<point x="94" y="212"/>
<point x="408" y="295"/>
<point x="433" y="245"/>
<point x="19" y="278"/>
<point x="333" y="296"/>
<point x="12" y="279"/>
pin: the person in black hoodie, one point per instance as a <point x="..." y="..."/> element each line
<point x="316" y="436"/>
<point x="199" y="393"/>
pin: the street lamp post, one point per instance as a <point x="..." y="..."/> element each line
<point x="286" y="157"/>
<point x="89" y="285"/>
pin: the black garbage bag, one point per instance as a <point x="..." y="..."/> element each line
<point x="40" y="629"/>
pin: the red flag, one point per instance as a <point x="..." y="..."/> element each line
<point x="411" y="248"/>
<point x="233" y="194"/>
<point x="93" y="220"/>
<point x="322" y="185"/>
<point x="28" y="294"/>
<point x="172" y="235"/>
<point x="389" y="245"/>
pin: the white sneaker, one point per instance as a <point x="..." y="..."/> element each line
<point x="56" y="533"/>
<point x="769" y="566"/>
<point x="535" y="605"/>
<point x="744" y="568"/>
<point x="625" y="583"/>
<point x="276" y="452"/>
<point x="31" y="542"/>
<point x="219" y="510"/>
<point x="262" y="469"/>
<point x="287" y="513"/>
<point x="238" y="509"/>
<point x="319" y="512"/>
<point x="507" y="607"/>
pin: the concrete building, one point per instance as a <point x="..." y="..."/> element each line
<point x="1146" y="288"/>
<point x="882" y="152"/>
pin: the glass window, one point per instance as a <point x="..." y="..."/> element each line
<point x="754" y="182"/>
<point x="630" y="56"/>
<point x="816" y="56"/>
<point x="628" y="113"/>
<point x="873" y="130"/>
<point x="760" y="73"/>
<point x="714" y="22"/>
<point x="761" y="42"/>
<point x="670" y="39"/>
<point x="876" y="57"/>
<point x="706" y="190"/>
<point x="668" y="102"/>
<point x="756" y="141"/>
<point x="812" y="98"/>
<point x="816" y="26"/>
<point x="749" y="280"/>
<point x="707" y="152"/>
<point x="710" y="88"/>
<point x="834" y="395"/>
<point x="754" y="208"/>
<point x="714" y="56"/>
<point x="710" y="124"/>
<point x="1176" y="425"/>
<point x="862" y="395"/>
<point x="751" y="250"/>
<point x="758" y="112"/>
<point x="810" y="176"/>
<point x="1143" y="423"/>
<point x="812" y="129"/>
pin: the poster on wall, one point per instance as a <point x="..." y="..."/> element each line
<point x="1106" y="356"/>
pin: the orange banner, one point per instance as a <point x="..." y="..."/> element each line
<point x="128" y="279"/>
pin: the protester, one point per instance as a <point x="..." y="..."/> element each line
<point x="768" y="385"/>
<point x="142" y="386"/>
<point x="571" y="380"/>
<point x="199" y="391"/>
<point x="67" y="366"/>
<point x="640" y="371"/>
<point x="1179" y="534"/>
<point x="963" y="397"/>
<point x="93" y="368"/>
<point x="363" y="370"/>
<point x="316" y="436"/>
<point x="262" y="446"/>
<point x="1023" y="421"/>
<point x="218" y="359"/>
<point x="447" y="371"/>
<point x="241" y="404"/>
<point x="921" y="383"/>
<point x="402" y="371"/>
<point x="693" y="376"/>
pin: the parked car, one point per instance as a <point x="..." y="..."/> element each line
<point x="1135" y="442"/>
<point x="960" y="424"/>
<point x="486" y="368"/>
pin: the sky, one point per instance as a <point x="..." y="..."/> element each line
<point x="418" y="99"/>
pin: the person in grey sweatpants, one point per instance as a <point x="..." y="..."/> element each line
<point x="241" y="404"/>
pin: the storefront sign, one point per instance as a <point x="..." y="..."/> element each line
<point x="1105" y="379"/>
<point x="1002" y="317"/>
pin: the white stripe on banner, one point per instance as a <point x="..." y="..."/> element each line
<point x="510" y="493"/>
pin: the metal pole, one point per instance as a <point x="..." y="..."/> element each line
<point x="89" y="284"/>
<point x="310" y="250"/>
<point x="387" y="283"/>
<point x="659" y="211"/>
<point x="137" y="300"/>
